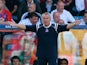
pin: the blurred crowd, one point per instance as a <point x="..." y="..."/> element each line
<point x="20" y="9"/>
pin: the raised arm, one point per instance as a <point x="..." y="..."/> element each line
<point x="68" y="26"/>
<point x="24" y="27"/>
<point x="77" y="22"/>
<point x="62" y="28"/>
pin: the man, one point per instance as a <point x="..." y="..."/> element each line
<point x="15" y="60"/>
<point x="31" y="8"/>
<point x="64" y="14"/>
<point x="64" y="61"/>
<point x="24" y="7"/>
<point x="47" y="38"/>
<point x="31" y="19"/>
<point x="84" y="20"/>
<point x="47" y="6"/>
<point x="56" y="18"/>
<point x="12" y="6"/>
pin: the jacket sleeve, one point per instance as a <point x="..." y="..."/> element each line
<point x="62" y="28"/>
<point x="31" y="28"/>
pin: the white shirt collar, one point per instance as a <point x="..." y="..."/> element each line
<point x="47" y="26"/>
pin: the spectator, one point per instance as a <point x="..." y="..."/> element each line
<point x="12" y="6"/>
<point x="56" y="17"/>
<point x="64" y="61"/>
<point x="24" y="7"/>
<point x="15" y="60"/>
<point x="84" y="20"/>
<point x="76" y="7"/>
<point x="69" y="5"/>
<point x="31" y="8"/>
<point x="64" y="14"/>
<point x="47" y="6"/>
<point x="38" y="9"/>
<point x="33" y="18"/>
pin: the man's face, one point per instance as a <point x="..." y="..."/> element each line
<point x="64" y="62"/>
<point x="32" y="8"/>
<point x="16" y="62"/>
<point x="85" y="17"/>
<point x="56" y="17"/>
<point x="60" y="6"/>
<point x="1" y="4"/>
<point x="46" y="20"/>
<point x="34" y="20"/>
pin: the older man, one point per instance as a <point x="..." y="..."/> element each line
<point x="47" y="38"/>
<point x="56" y="18"/>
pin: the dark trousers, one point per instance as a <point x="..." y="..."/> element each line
<point x="47" y="60"/>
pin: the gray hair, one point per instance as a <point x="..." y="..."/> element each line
<point x="46" y="13"/>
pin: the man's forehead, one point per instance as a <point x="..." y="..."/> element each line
<point x="56" y="13"/>
<point x="47" y="16"/>
<point x="15" y="59"/>
<point x="35" y="17"/>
